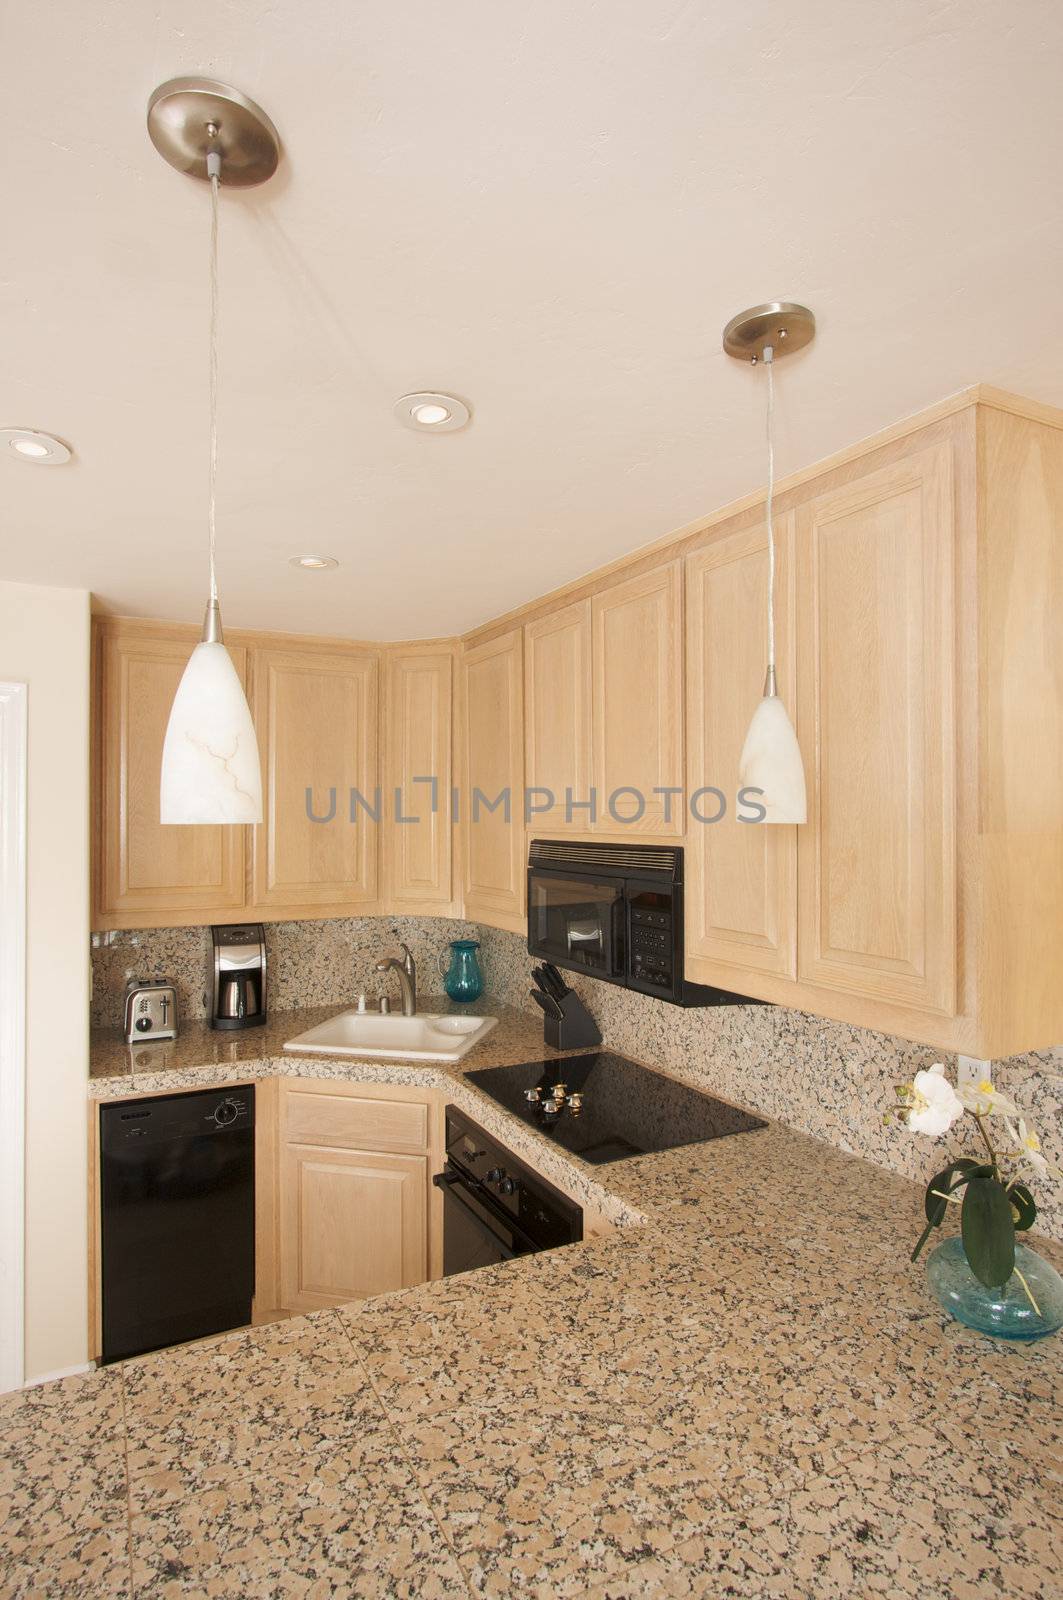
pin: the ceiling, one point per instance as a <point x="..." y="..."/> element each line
<point x="550" y="211"/>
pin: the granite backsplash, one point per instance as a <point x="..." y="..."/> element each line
<point x="824" y="1078"/>
<point x="307" y="963"/>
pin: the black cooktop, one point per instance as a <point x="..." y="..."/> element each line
<point x="625" y="1109"/>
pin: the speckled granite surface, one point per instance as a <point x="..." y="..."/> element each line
<point x="751" y="1394"/>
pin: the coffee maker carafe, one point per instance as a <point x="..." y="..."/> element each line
<point x="238" y="976"/>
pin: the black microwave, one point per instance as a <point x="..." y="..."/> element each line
<point x="615" y="912"/>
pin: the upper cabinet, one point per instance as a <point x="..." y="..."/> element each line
<point x="317" y="718"/>
<point x="418" y="698"/>
<point x="876" y="725"/>
<point x="557" y="717"/>
<point x="741" y="893"/>
<point x="147" y="874"/>
<point x="492" y="717"/>
<point x="637" y="677"/>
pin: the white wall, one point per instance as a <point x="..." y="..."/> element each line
<point x="44" y="642"/>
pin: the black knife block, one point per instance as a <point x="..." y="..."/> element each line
<point x="575" y="1029"/>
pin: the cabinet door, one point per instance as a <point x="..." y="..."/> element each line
<point x="148" y="874"/>
<point x="316" y="717"/>
<point x="417" y="736"/>
<point x="741" y="903"/>
<point x="353" y="1224"/>
<point x="638" y="702"/>
<point x="876" y="862"/>
<point x="557" y="712"/>
<point x="492" y="804"/>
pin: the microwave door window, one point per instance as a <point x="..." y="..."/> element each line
<point x="574" y="922"/>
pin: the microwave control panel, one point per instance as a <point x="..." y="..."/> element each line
<point x="651" y="948"/>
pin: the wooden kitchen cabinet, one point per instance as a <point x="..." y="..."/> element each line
<point x="637" y="678"/>
<point x="876" y="723"/>
<point x="357" y="1214"/>
<point x="418" y="705"/>
<point x="354" y="1224"/>
<point x="316" y="715"/>
<point x="492" y="715"/>
<point x="741" y="890"/>
<point x="145" y="874"/>
<point x="557" y="713"/>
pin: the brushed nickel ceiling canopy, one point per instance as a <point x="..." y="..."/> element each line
<point x="778" y="323"/>
<point x="189" y="117"/>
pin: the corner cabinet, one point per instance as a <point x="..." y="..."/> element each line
<point x="146" y="874"/>
<point x="492" y="719"/>
<point x="418" y="699"/>
<point x="316" y="715"/>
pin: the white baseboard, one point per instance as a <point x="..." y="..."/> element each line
<point x="64" y="1372"/>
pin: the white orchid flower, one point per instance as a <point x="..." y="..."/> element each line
<point x="985" y="1101"/>
<point x="933" y="1104"/>
<point x="1028" y="1146"/>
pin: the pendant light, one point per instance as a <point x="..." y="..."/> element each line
<point x="771" y="757"/>
<point x="210" y="765"/>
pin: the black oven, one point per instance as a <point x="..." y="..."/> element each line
<point x="614" y="912"/>
<point x="494" y="1207"/>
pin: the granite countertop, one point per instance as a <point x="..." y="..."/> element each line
<point x="746" y="1390"/>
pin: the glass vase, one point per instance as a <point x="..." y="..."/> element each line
<point x="1006" y="1313"/>
<point x="462" y="978"/>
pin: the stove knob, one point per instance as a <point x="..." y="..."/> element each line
<point x="495" y="1175"/>
<point x="508" y="1185"/>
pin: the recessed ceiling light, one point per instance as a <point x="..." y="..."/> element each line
<point x="432" y="413"/>
<point x="313" y="563"/>
<point x="40" y="448"/>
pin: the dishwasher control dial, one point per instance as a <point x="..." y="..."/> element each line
<point x="225" y="1112"/>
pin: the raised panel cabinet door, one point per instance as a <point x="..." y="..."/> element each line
<point x="557" y="713"/>
<point x="741" y="901"/>
<point x="148" y="872"/>
<point x="493" y="799"/>
<point x="638" y="703"/>
<point x="417" y="722"/>
<point x="316" y="715"/>
<point x="877" y="859"/>
<point x="353" y="1224"/>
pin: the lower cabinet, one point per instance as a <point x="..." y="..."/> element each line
<point x="354" y="1224"/>
<point x="356" y="1211"/>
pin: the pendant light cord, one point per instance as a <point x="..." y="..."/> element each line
<point x="213" y="170"/>
<point x="769" y="362"/>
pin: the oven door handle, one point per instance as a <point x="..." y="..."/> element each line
<point x="454" y="1183"/>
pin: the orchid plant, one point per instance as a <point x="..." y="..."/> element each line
<point x="996" y="1202"/>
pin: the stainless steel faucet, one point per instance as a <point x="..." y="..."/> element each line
<point x="407" y="971"/>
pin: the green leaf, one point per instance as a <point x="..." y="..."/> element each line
<point x="1023" y="1206"/>
<point x="954" y="1176"/>
<point x="988" y="1231"/>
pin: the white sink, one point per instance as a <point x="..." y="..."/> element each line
<point x="428" y="1037"/>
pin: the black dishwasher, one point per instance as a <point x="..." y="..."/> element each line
<point x="177" y="1200"/>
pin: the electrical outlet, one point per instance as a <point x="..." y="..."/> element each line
<point x="971" y="1069"/>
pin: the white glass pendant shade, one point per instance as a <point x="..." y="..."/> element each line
<point x="771" y="761"/>
<point x="210" y="768"/>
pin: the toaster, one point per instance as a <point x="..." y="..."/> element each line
<point x="150" y="1010"/>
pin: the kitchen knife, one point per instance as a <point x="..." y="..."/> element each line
<point x="547" y="1004"/>
<point x="558" y="987"/>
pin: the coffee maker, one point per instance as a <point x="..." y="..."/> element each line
<point x="238" y="976"/>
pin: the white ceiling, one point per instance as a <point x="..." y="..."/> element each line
<point x="549" y="210"/>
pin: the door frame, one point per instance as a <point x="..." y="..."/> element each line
<point x="13" y="775"/>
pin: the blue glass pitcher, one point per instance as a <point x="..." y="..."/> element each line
<point x="462" y="978"/>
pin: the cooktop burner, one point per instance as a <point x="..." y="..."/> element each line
<point x="609" y="1108"/>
